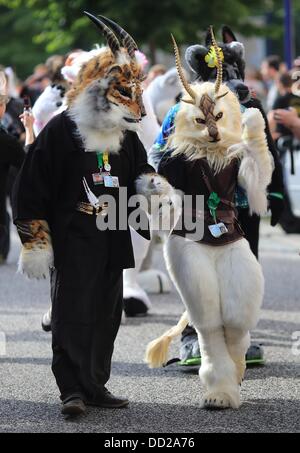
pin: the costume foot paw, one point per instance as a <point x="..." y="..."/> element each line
<point x="218" y="400"/>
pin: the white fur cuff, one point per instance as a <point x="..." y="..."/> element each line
<point x="35" y="263"/>
<point x="253" y="123"/>
<point x="153" y="184"/>
<point x="165" y="211"/>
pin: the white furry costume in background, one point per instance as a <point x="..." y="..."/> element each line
<point x="222" y="287"/>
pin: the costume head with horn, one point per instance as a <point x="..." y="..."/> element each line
<point x="200" y="59"/>
<point x="106" y="97"/>
<point x="209" y="121"/>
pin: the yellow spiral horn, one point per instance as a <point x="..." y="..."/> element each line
<point x="219" y="61"/>
<point x="181" y="73"/>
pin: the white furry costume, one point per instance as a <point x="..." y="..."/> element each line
<point x="221" y="286"/>
<point x="162" y="92"/>
<point x="158" y="98"/>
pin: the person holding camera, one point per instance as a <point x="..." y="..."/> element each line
<point x="285" y="128"/>
<point x="11" y="155"/>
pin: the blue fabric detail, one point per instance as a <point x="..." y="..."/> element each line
<point x="167" y="127"/>
<point x="243" y="108"/>
<point x="241" y="200"/>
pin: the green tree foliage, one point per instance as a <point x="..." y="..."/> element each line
<point x="32" y="29"/>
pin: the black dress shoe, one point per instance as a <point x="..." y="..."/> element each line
<point x="108" y="400"/>
<point x="73" y="407"/>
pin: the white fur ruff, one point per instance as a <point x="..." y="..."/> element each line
<point x="36" y="263"/>
<point x="102" y="127"/>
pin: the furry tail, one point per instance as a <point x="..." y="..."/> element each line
<point x="157" y="351"/>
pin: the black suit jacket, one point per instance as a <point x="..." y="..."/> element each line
<point x="49" y="185"/>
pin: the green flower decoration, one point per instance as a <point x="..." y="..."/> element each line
<point x="213" y="202"/>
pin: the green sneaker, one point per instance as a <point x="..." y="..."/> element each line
<point x="254" y="356"/>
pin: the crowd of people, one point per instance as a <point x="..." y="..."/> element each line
<point x="25" y="110"/>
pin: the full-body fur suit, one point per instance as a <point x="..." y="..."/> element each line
<point x="221" y="285"/>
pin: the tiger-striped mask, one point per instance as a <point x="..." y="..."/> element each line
<point x="108" y="91"/>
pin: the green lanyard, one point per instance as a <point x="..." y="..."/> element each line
<point x="103" y="160"/>
<point x="100" y="160"/>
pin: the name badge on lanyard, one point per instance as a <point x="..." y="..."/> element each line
<point x="111" y="181"/>
<point x="218" y="229"/>
<point x="99" y="178"/>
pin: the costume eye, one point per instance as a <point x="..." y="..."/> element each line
<point x="124" y="92"/>
<point x="200" y="120"/>
<point x="115" y="69"/>
<point x="219" y="116"/>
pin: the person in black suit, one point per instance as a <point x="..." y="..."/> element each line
<point x="88" y="151"/>
<point x="11" y="155"/>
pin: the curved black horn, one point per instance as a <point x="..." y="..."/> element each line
<point x="111" y="38"/>
<point x="208" y="38"/>
<point x="127" y="40"/>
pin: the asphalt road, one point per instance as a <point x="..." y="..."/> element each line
<point x="165" y="400"/>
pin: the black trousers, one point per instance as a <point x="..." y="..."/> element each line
<point x="5" y="237"/>
<point x="86" y="311"/>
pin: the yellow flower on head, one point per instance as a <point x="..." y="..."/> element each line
<point x="211" y="57"/>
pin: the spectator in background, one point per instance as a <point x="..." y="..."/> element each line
<point x="52" y="98"/>
<point x="283" y="122"/>
<point x="290" y="120"/>
<point x="11" y="154"/>
<point x="54" y="65"/>
<point x="286" y="100"/>
<point x="270" y="73"/>
<point x="14" y="108"/>
<point x="253" y="80"/>
<point x="154" y="71"/>
<point x="13" y="125"/>
<point x="35" y="84"/>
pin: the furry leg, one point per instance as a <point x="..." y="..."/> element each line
<point x="241" y="289"/>
<point x="238" y="343"/>
<point x="193" y="269"/>
<point x="241" y="286"/>
<point x="217" y="371"/>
